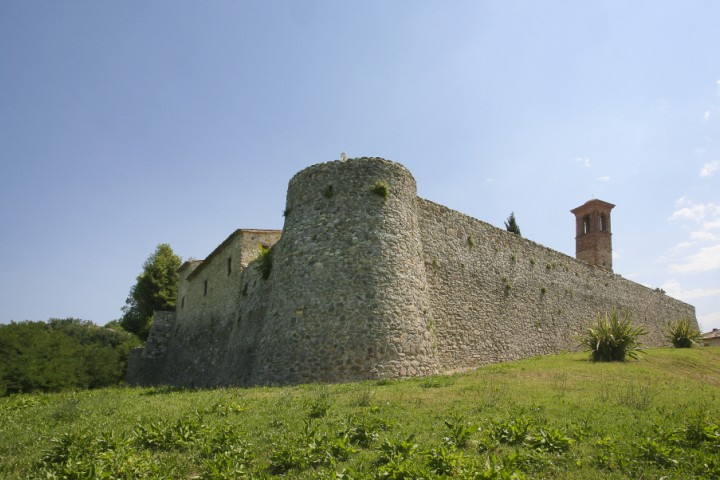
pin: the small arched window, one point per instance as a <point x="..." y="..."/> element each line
<point x="586" y="224"/>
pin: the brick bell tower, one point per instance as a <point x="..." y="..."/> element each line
<point x="593" y="240"/>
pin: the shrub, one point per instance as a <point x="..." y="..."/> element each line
<point x="264" y="261"/>
<point x="381" y="188"/>
<point x="682" y="334"/>
<point x="613" y="339"/>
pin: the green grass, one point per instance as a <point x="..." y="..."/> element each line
<point x="549" y="417"/>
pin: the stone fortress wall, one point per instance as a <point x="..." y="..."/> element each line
<point x="364" y="286"/>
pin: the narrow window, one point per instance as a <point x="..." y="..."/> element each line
<point x="603" y="223"/>
<point x="586" y="224"/>
<point x="182" y="302"/>
<point x="205" y="288"/>
<point x="229" y="265"/>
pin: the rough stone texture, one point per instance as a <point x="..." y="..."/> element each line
<point x="366" y="286"/>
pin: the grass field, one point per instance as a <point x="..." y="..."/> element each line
<point x="549" y="417"/>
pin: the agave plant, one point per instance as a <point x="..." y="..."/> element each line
<point x="612" y="338"/>
<point x="682" y="334"/>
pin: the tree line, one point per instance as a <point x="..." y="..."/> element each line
<point x="70" y="353"/>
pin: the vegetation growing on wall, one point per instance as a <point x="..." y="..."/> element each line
<point x="61" y="354"/>
<point x="511" y="225"/>
<point x="264" y="261"/>
<point x="381" y="188"/>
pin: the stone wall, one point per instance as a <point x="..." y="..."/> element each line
<point x="372" y="284"/>
<point x="496" y="296"/>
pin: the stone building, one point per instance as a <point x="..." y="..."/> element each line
<point x="368" y="280"/>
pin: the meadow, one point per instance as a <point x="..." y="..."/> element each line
<point x="558" y="417"/>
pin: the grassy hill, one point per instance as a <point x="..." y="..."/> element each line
<point x="549" y="417"/>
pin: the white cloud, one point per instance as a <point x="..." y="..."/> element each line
<point x="584" y="160"/>
<point x="699" y="151"/>
<point x="703" y="235"/>
<point x="706" y="115"/>
<point x="603" y="179"/>
<point x="674" y="289"/>
<point x="702" y="252"/>
<point x="706" y="259"/>
<point x="696" y="212"/>
<point x="710" y="168"/>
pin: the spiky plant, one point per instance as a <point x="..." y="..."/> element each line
<point x="612" y="338"/>
<point x="682" y="334"/>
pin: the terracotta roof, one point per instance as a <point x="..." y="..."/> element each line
<point x="714" y="334"/>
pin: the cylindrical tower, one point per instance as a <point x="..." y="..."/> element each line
<point x="349" y="293"/>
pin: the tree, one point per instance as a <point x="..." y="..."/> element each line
<point x="511" y="225"/>
<point x="155" y="290"/>
<point x="61" y="354"/>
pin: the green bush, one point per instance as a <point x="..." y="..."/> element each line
<point x="381" y="188"/>
<point x="682" y="334"/>
<point x="264" y="261"/>
<point x="613" y="339"/>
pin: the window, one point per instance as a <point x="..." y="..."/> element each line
<point x="229" y="265"/>
<point x="603" y="222"/>
<point x="182" y="302"/>
<point x="586" y="224"/>
<point x="205" y="288"/>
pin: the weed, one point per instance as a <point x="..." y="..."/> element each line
<point x="657" y="453"/>
<point x="360" y="432"/>
<point x="460" y="431"/>
<point x="634" y="395"/>
<point x="319" y="405"/>
<point x="264" y="261"/>
<point x="543" y="291"/>
<point x="512" y="432"/>
<point x="397" y="450"/>
<point x="446" y="462"/>
<point x="328" y="192"/>
<point x="365" y="398"/>
<point x="436" y="264"/>
<point x="506" y="285"/>
<point x="470" y="241"/>
<point x="286" y="212"/>
<point x="436" y="382"/>
<point x="549" y="440"/>
<point x="166" y="436"/>
<point x="381" y="188"/>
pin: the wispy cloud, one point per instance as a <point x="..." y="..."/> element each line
<point x="674" y="289"/>
<point x="687" y="210"/>
<point x="585" y="161"/>
<point x="706" y="115"/>
<point x="603" y="179"/>
<point x="709" y="169"/>
<point x="705" y="260"/>
<point x="702" y="252"/>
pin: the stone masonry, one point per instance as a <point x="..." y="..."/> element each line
<point x="368" y="280"/>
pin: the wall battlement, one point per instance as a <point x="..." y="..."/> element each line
<point x="370" y="281"/>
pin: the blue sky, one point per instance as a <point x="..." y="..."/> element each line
<point x="128" y="124"/>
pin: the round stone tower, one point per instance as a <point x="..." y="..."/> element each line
<point x="349" y="292"/>
<point x="593" y="239"/>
